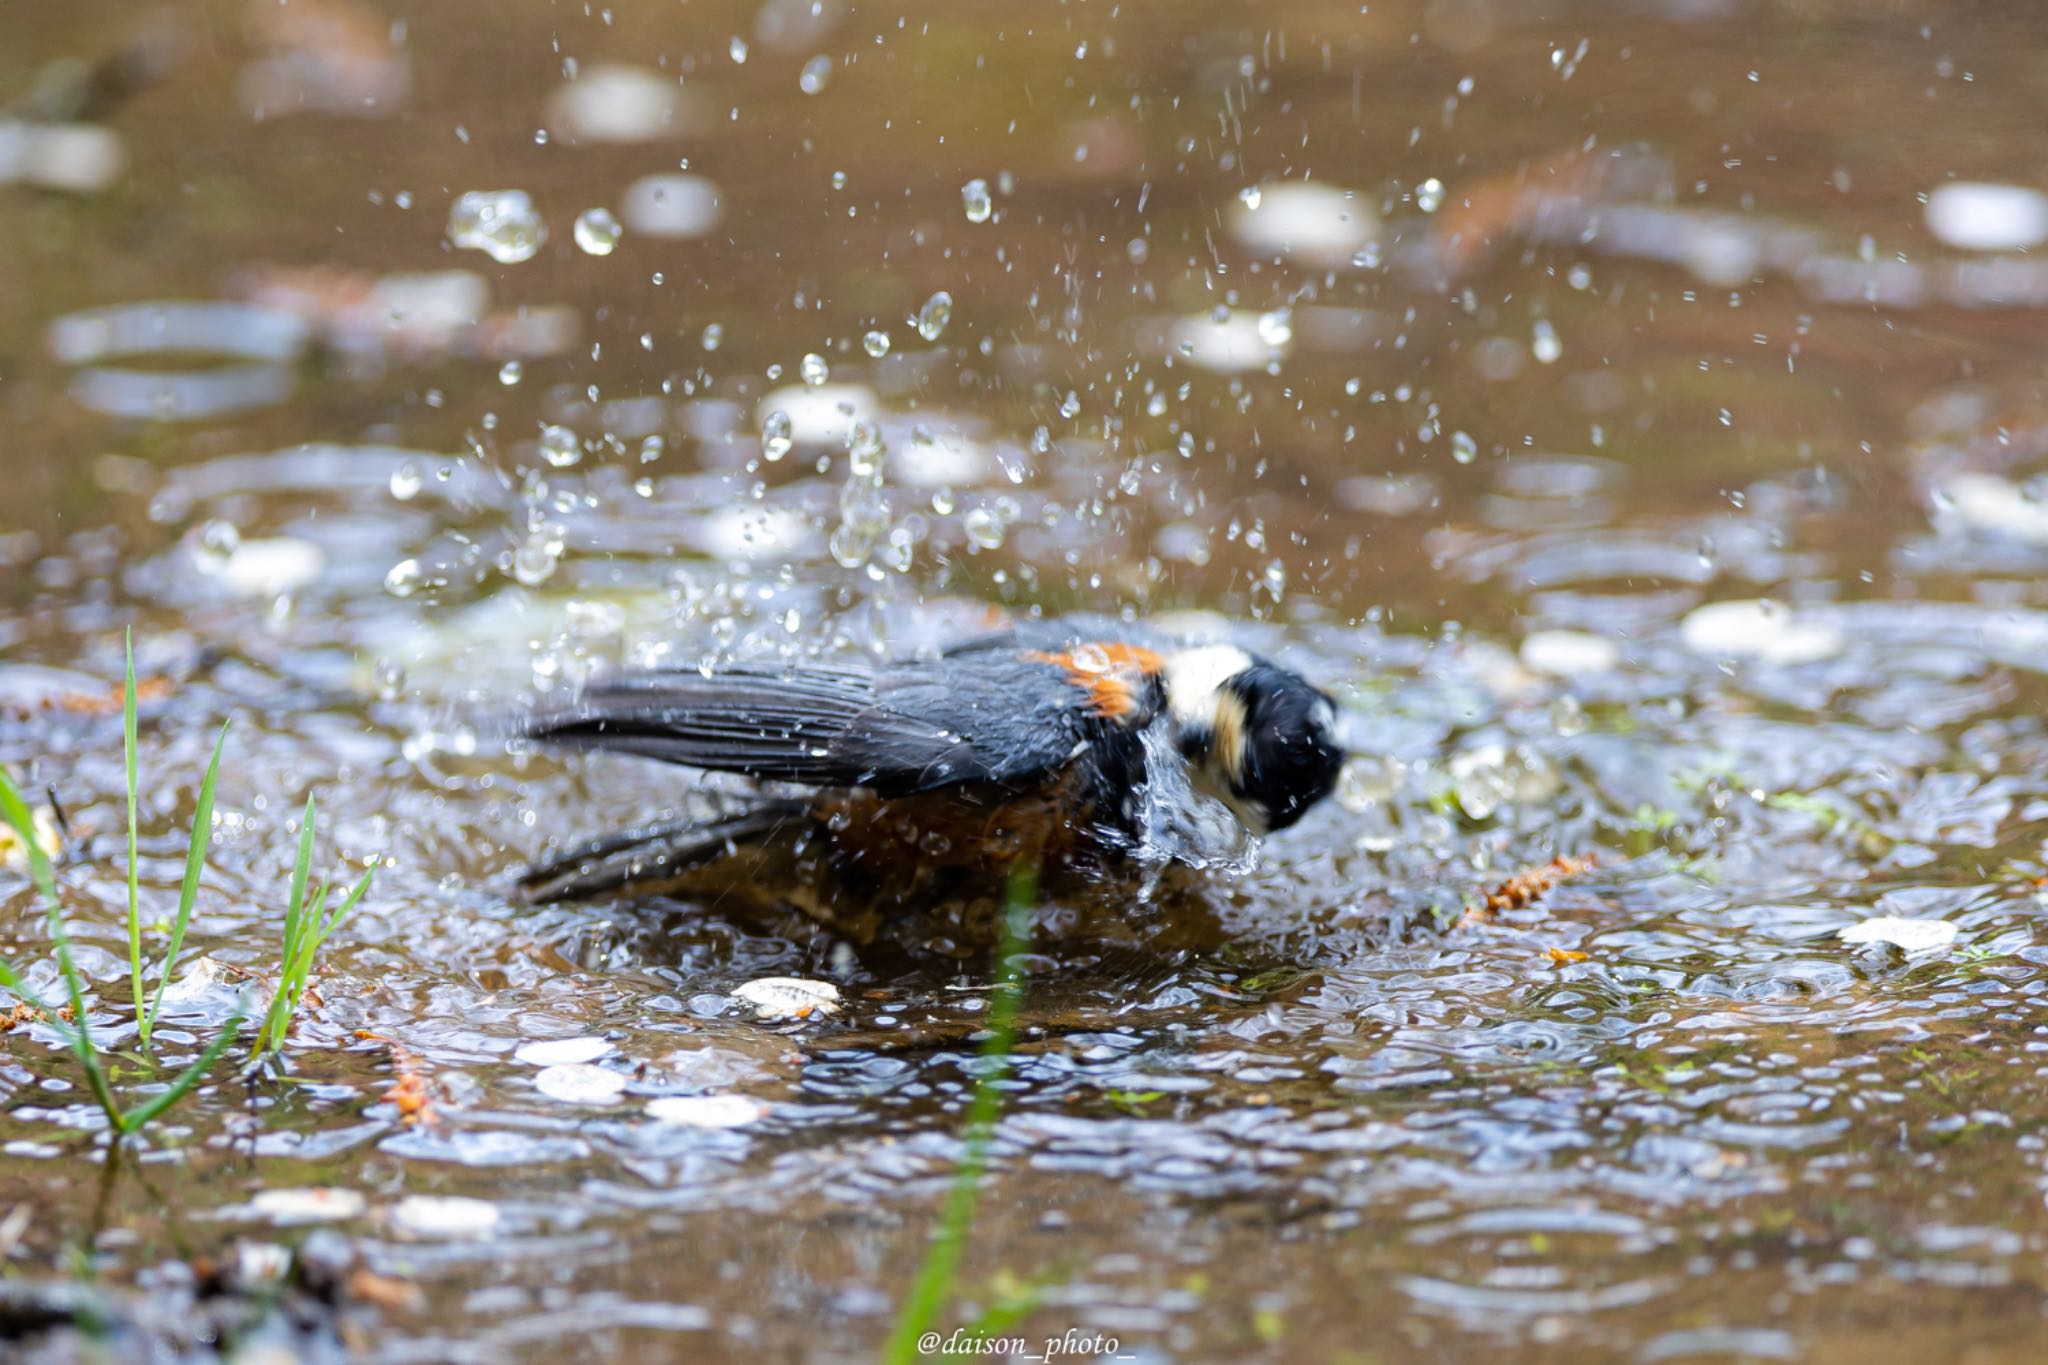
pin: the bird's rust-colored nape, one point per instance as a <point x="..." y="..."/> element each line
<point x="1113" y="674"/>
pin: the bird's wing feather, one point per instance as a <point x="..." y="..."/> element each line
<point x="899" y="729"/>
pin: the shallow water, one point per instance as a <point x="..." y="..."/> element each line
<point x="1636" y="310"/>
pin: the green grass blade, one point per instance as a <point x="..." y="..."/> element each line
<point x="195" y="863"/>
<point x="301" y="871"/>
<point x="295" y="969"/>
<point x="348" y="903"/>
<point x="128" y="710"/>
<point x="181" y="1085"/>
<point x="295" y="925"/>
<point x="934" y="1284"/>
<point x="16" y="812"/>
<point x="292" y="968"/>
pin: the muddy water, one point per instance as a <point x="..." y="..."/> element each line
<point x="1637" y="317"/>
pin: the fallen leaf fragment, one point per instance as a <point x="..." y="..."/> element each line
<point x="383" y="1291"/>
<point x="1911" y="935"/>
<point x="49" y="838"/>
<point x="1526" y="886"/>
<point x="789" y="997"/>
<point x="1564" y="957"/>
<point x="309" y="1204"/>
<point x="409" y="1091"/>
<point x="110" y="702"/>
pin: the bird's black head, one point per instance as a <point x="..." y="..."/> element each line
<point x="1289" y="756"/>
<point x="1258" y="736"/>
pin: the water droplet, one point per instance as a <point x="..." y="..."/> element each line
<point x="975" y="200"/>
<point x="943" y="501"/>
<point x="776" y="437"/>
<point x="864" y="449"/>
<point x="388" y="679"/>
<point x="533" y="563"/>
<point x="1250" y="196"/>
<point x="559" y="446"/>
<point x="983" y="528"/>
<point x="1463" y="448"/>
<point x="597" y="231"/>
<point x="1544" y="344"/>
<point x="876" y="344"/>
<point x="713" y="335"/>
<point x="1429" y="195"/>
<point x="1070" y="406"/>
<point x="1137" y="249"/>
<point x="1276" y="328"/>
<point x="510" y="373"/>
<point x="813" y="369"/>
<point x="738" y="50"/>
<point x="503" y="224"/>
<point x="1276" y="580"/>
<point x="215" y="544"/>
<point x="406" y="481"/>
<point x="816" y="74"/>
<point x="404" y="578"/>
<point x="933" y="317"/>
<point x="1365" y="782"/>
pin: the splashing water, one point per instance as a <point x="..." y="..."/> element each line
<point x="503" y="224"/>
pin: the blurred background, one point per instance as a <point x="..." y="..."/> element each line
<point x="1634" y="411"/>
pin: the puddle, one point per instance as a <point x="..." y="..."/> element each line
<point x="1640" y="437"/>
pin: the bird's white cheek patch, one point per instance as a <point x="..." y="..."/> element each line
<point x="1195" y="678"/>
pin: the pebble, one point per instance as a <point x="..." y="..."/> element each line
<point x="1980" y="217"/>
<point x="707" y="1111"/>
<point x="1911" y="935"/>
<point x="580" y="1083"/>
<point x="1760" y="629"/>
<point x="562" y="1051"/>
<point x="431" y="1215"/>
<point x="1302" y="218"/>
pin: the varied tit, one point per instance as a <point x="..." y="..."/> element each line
<point x="1029" y="744"/>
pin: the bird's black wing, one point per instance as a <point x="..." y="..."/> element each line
<point x="996" y="717"/>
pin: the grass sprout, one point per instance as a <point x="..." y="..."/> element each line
<point x="308" y="922"/>
<point x="77" y="1033"/>
<point x="934" y="1284"/>
<point x="306" y="926"/>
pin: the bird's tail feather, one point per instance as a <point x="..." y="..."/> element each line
<point x="649" y="855"/>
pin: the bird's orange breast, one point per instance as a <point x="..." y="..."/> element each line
<point x="1114" y="675"/>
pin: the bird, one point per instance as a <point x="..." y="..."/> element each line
<point x="1053" y="742"/>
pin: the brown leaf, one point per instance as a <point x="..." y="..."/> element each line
<point x="409" y="1091"/>
<point x="384" y="1291"/>
<point x="1526" y="886"/>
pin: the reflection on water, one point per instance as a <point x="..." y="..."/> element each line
<point x="1632" y="414"/>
